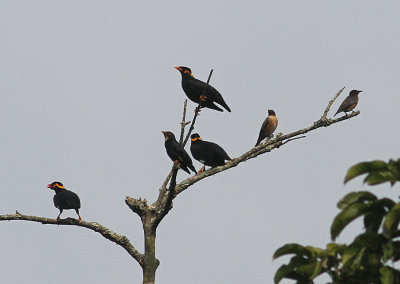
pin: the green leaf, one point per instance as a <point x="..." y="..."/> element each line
<point x="354" y="197"/>
<point x="378" y="210"/>
<point x="387" y="275"/>
<point x="388" y="251"/>
<point x="363" y="168"/>
<point x="290" y="270"/>
<point x="348" y="254"/>
<point x="282" y="272"/>
<point x="379" y="177"/>
<point x="391" y="221"/>
<point x="333" y="249"/>
<point x="347" y="215"/>
<point x="292" y="249"/>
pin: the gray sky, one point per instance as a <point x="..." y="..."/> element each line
<point x="87" y="86"/>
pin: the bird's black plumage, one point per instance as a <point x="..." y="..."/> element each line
<point x="65" y="199"/>
<point x="193" y="88"/>
<point x="177" y="153"/>
<point x="349" y="103"/>
<point x="207" y="153"/>
<point x="268" y="127"/>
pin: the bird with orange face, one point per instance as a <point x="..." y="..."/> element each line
<point x="199" y="92"/>
<point x="65" y="199"/>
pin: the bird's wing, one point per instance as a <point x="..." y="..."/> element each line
<point x="262" y="135"/>
<point x="217" y="150"/>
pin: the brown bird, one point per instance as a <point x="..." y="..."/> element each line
<point x="268" y="127"/>
<point x="349" y="103"/>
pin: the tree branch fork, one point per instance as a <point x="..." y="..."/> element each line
<point x="156" y="211"/>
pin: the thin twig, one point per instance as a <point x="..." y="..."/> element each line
<point x="105" y="232"/>
<point x="196" y="113"/>
<point x="183" y="123"/>
<point x="168" y="203"/>
<point x="331" y="102"/>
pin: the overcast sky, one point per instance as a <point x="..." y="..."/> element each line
<point x="87" y="87"/>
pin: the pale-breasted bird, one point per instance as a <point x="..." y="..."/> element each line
<point x="268" y="127"/>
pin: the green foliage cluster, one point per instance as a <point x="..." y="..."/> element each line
<point x="372" y="255"/>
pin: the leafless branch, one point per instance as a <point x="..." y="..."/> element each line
<point x="167" y="204"/>
<point x="105" y="232"/>
<point x="264" y="147"/>
<point x="330" y="103"/>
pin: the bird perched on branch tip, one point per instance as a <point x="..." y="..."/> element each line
<point x="349" y="103"/>
<point x="193" y="89"/>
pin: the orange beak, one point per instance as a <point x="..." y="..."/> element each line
<point x="178" y="68"/>
<point x="49" y="186"/>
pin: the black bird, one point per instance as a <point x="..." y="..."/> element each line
<point x="349" y="103"/>
<point x="268" y="127"/>
<point x="194" y="88"/>
<point x="207" y="153"/>
<point x="65" y="199"/>
<point x="177" y="153"/>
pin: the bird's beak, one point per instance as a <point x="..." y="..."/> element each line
<point x="49" y="186"/>
<point x="178" y="68"/>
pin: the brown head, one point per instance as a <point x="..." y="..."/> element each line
<point x="354" y="92"/>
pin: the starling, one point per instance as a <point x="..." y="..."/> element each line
<point x="177" y="153"/>
<point x="268" y="127"/>
<point x="65" y="199"/>
<point x="207" y="153"/>
<point x="194" y="90"/>
<point x="349" y="103"/>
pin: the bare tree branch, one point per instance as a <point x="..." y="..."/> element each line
<point x="120" y="240"/>
<point x="167" y="204"/>
<point x="264" y="147"/>
<point x="331" y="102"/>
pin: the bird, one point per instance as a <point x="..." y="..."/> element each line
<point x="349" y="103"/>
<point x="268" y="127"/>
<point x="65" y="199"/>
<point x="207" y="153"/>
<point x="177" y="153"/>
<point x="193" y="89"/>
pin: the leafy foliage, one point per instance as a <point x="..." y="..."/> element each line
<point x="377" y="172"/>
<point x="372" y="255"/>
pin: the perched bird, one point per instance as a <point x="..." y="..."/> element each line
<point x="207" y="153"/>
<point x="268" y="127"/>
<point x="177" y="153"/>
<point x="65" y="199"/>
<point x="349" y="103"/>
<point x="193" y="88"/>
